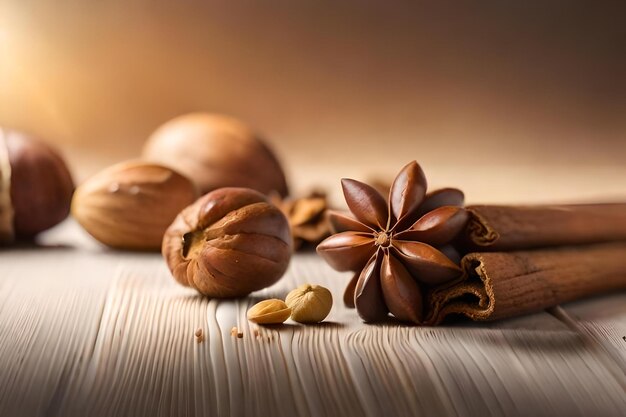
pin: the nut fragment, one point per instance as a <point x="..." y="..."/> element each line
<point x="236" y="332"/>
<point x="272" y="311"/>
<point x="199" y="335"/>
<point x="306" y="217"/>
<point x="230" y="242"/>
<point x="309" y="303"/>
<point x="131" y="204"/>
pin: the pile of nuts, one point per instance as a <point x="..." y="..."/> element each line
<point x="229" y="242"/>
<point x="130" y="205"/>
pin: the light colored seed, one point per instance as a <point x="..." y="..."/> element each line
<point x="309" y="303"/>
<point x="272" y="311"/>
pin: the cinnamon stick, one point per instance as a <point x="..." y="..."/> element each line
<point x="503" y="228"/>
<point x="505" y="284"/>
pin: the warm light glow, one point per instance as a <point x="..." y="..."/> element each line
<point x="4" y="47"/>
<point x="7" y="54"/>
<point x="5" y="33"/>
<point x="356" y="92"/>
<point x="18" y="72"/>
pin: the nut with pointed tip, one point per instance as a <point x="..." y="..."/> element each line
<point x="309" y="303"/>
<point x="228" y="243"/>
<point x="216" y="151"/>
<point x="272" y="311"/>
<point x="35" y="186"/>
<point x="131" y="204"/>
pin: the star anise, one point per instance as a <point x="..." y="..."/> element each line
<point x="399" y="247"/>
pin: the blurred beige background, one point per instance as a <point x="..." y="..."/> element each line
<point x="511" y="102"/>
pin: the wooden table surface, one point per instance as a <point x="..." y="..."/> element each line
<point x="86" y="331"/>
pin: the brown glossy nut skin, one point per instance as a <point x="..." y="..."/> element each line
<point x="230" y="242"/>
<point x="41" y="185"/>
<point x="216" y="151"/>
<point x="130" y="205"/>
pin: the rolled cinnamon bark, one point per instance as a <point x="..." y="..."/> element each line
<point x="506" y="284"/>
<point x="504" y="228"/>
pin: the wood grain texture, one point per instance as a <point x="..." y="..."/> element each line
<point x="87" y="332"/>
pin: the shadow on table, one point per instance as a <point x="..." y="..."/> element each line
<point x="31" y="245"/>
<point x="298" y="327"/>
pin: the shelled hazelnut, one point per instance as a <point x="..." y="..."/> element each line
<point x="216" y="151"/>
<point x="228" y="243"/>
<point x="130" y="205"/>
<point x="35" y="186"/>
<point x="309" y="303"/>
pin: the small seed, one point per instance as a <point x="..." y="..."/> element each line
<point x="271" y="311"/>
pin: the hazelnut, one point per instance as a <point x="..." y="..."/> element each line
<point x="35" y="186"/>
<point x="309" y="303"/>
<point x="131" y="204"/>
<point x="271" y="311"/>
<point x="216" y="151"/>
<point x="230" y="242"/>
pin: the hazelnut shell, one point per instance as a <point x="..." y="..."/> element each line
<point x="230" y="242"/>
<point x="216" y="151"/>
<point x="131" y="204"/>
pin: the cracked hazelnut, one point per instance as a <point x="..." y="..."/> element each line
<point x="130" y="205"/>
<point x="228" y="243"/>
<point x="216" y="151"/>
<point x="309" y="303"/>
<point x="35" y="186"/>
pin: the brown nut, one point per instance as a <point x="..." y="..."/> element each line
<point x="309" y="303"/>
<point x="131" y="204"/>
<point x="35" y="186"/>
<point x="272" y="311"/>
<point x="216" y="151"/>
<point x="230" y="242"/>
